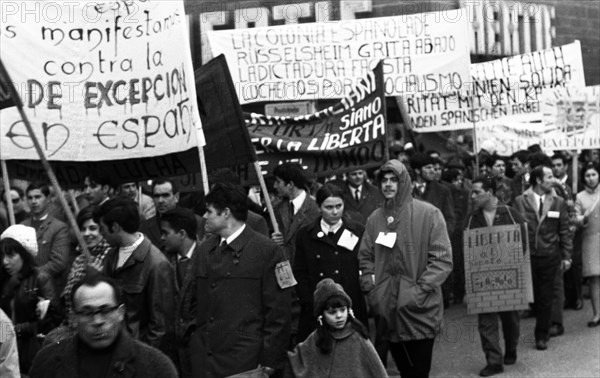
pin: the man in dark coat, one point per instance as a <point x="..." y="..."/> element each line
<point x="178" y="229"/>
<point x="243" y="304"/>
<point x="429" y="190"/>
<point x="142" y="272"/>
<point x="166" y="197"/>
<point x="52" y="236"/>
<point x="360" y="197"/>
<point x="550" y="243"/>
<point x="101" y="347"/>
<point x="296" y="209"/>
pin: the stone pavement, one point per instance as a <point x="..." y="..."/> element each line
<point x="457" y="351"/>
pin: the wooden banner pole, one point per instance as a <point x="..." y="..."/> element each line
<point x="70" y="217"/>
<point x="9" y="204"/>
<point x="265" y="193"/>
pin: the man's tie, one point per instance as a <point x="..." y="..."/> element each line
<point x="181" y="268"/>
<point x="541" y="208"/>
<point x="357" y="195"/>
<point x="291" y="208"/>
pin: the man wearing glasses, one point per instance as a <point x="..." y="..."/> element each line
<point x="17" y="197"/>
<point x="101" y="346"/>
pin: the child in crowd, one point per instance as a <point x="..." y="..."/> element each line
<point x="340" y="345"/>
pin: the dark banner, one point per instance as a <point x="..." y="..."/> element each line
<point x="5" y="99"/>
<point x="70" y="174"/>
<point x="227" y="140"/>
<point x="344" y="137"/>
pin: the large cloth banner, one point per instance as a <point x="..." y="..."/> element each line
<point x="347" y="136"/>
<point x="99" y="80"/>
<point x="571" y="119"/>
<point x="421" y="52"/>
<point x="497" y="270"/>
<point x="505" y="96"/>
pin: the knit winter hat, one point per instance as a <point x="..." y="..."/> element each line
<point x="24" y="235"/>
<point x="325" y="290"/>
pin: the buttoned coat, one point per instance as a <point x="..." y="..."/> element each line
<point x="130" y="359"/>
<point x="185" y="312"/>
<point x="146" y="281"/>
<point x="549" y="235"/>
<point x="54" y="246"/>
<point x="370" y="199"/>
<point x="317" y="257"/>
<point x="243" y="316"/>
<point x="289" y="224"/>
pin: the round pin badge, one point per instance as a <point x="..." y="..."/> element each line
<point x="321" y="234"/>
<point x="390" y="219"/>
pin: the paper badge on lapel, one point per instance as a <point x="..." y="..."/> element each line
<point x="284" y="274"/>
<point x="348" y="240"/>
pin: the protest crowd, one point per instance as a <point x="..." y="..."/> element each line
<point x="154" y="223"/>
<point x="210" y="289"/>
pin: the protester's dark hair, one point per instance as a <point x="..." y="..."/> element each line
<point x="561" y="157"/>
<point x="537" y="173"/>
<point x="123" y="211"/>
<point x="419" y="160"/>
<point x="41" y="185"/>
<point x="181" y="218"/>
<point x="101" y="178"/>
<point x="10" y="247"/>
<point x="16" y="189"/>
<point x="535" y="148"/>
<point x="92" y="278"/>
<point x="539" y="158"/>
<point x="450" y="175"/>
<point x="323" y="337"/>
<point x="174" y="187"/>
<point x="328" y="190"/>
<point x="226" y="195"/>
<point x="487" y="183"/>
<point x="586" y="167"/>
<point x="487" y="161"/>
<point x="85" y="214"/>
<point x="521" y="155"/>
<point x="292" y="172"/>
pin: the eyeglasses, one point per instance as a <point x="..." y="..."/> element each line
<point x="89" y="313"/>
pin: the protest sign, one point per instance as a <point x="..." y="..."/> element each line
<point x="504" y="96"/>
<point x="571" y="119"/>
<point x="99" y="80"/>
<point x="496" y="269"/>
<point x="421" y="52"/>
<point x="344" y="137"/>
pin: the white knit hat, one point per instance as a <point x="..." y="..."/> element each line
<point x="24" y="235"/>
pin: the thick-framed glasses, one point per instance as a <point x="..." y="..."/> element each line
<point x="90" y="313"/>
<point x="15" y="200"/>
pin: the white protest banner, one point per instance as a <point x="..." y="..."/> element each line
<point x="571" y="119"/>
<point x="503" y="92"/>
<point x="99" y="80"/>
<point x="496" y="269"/>
<point x="421" y="52"/>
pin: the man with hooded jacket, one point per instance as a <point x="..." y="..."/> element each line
<point x="404" y="257"/>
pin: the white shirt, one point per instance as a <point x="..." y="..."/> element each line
<point x="298" y="201"/>
<point x="233" y="236"/>
<point x="126" y="252"/>
<point x="537" y="200"/>
<point x="327" y="228"/>
<point x="189" y="253"/>
<point x="357" y="189"/>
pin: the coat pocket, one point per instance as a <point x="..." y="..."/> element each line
<point x="415" y="298"/>
<point x="378" y="297"/>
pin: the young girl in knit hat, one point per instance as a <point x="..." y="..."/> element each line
<point x="340" y="345"/>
